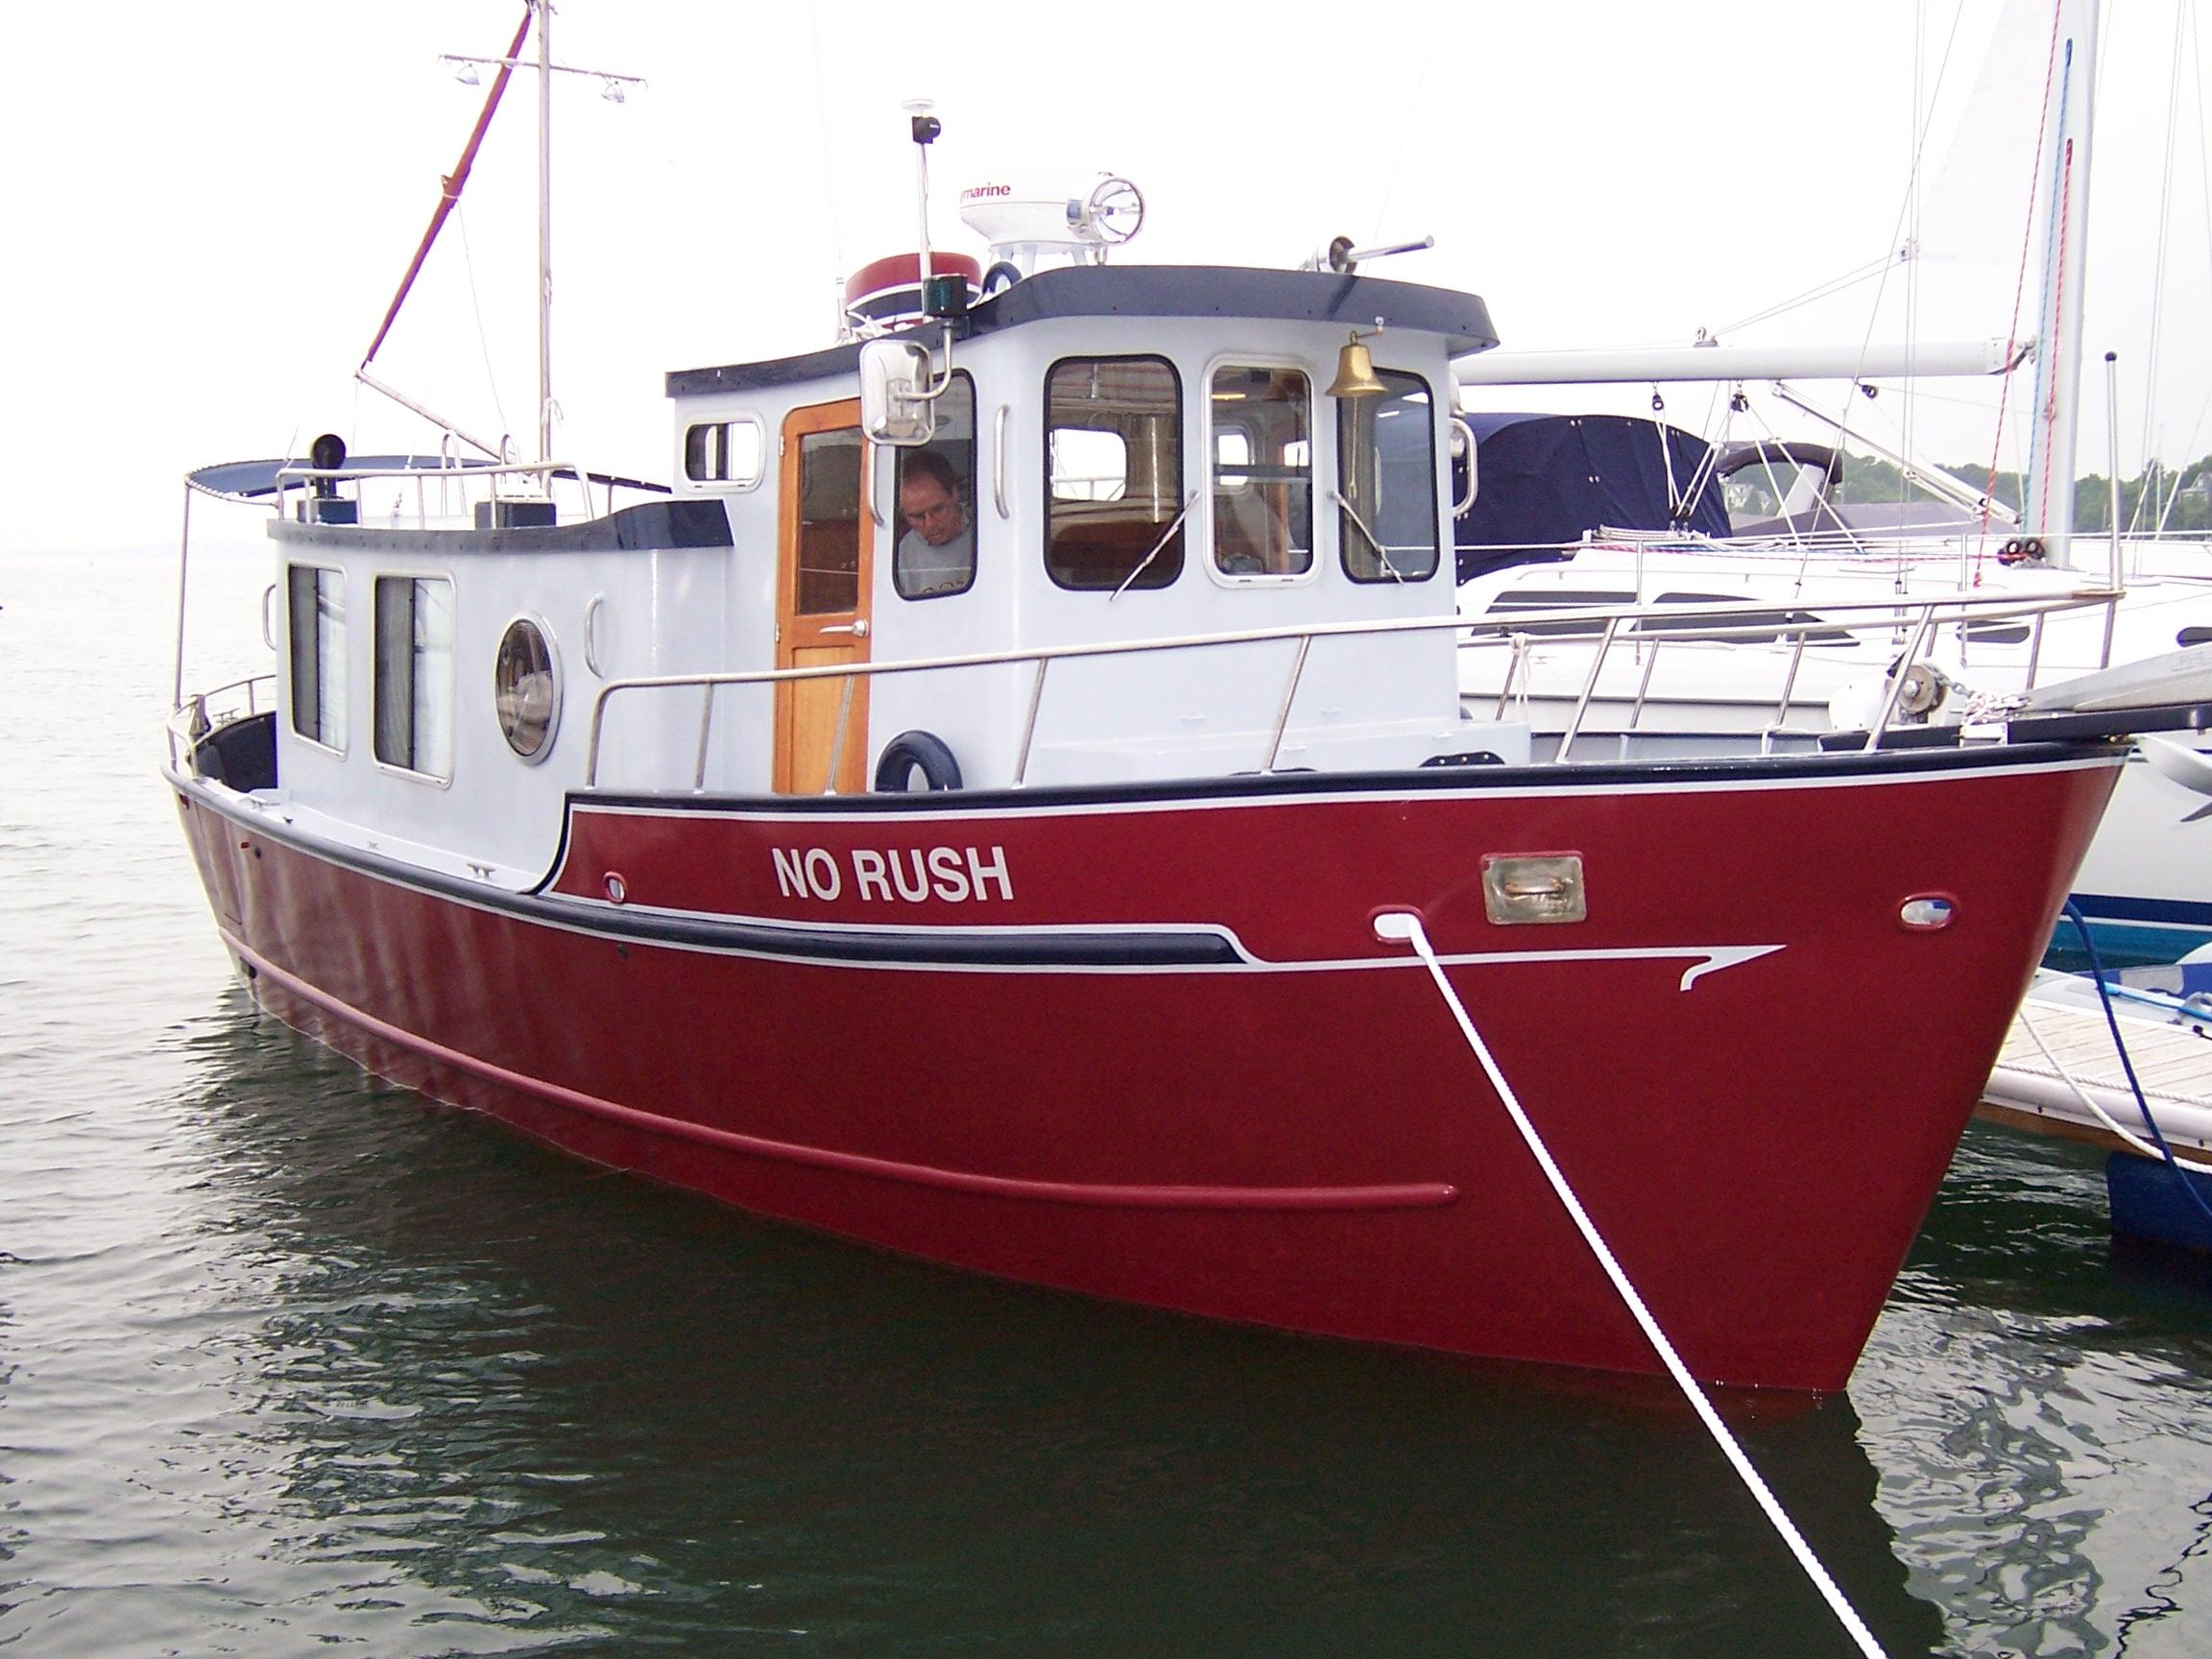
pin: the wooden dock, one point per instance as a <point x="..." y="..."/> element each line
<point x="2030" y="1087"/>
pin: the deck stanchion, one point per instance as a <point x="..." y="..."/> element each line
<point x="705" y="730"/>
<point x="1401" y="926"/>
<point x="1643" y="686"/>
<point x="838" y="742"/>
<point x="1513" y="667"/>
<point x="1921" y="630"/>
<point x="1029" y="721"/>
<point x="1589" y="686"/>
<point x="1789" y="680"/>
<point x="1289" y="696"/>
<point x="183" y="561"/>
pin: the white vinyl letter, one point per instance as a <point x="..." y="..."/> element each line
<point x="790" y="879"/>
<point x="977" y="869"/>
<point x="920" y="891"/>
<point x="952" y="879"/>
<point x="823" y="875"/>
<point x="867" y="873"/>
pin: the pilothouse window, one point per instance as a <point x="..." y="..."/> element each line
<point x="413" y="688"/>
<point x="317" y="606"/>
<point x="935" y="554"/>
<point x="1262" y="471"/>
<point x="1114" y="474"/>
<point x="1387" y="473"/>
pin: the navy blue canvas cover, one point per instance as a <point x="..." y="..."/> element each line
<point x="1549" y="479"/>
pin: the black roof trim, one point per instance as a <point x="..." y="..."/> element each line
<point x="683" y="522"/>
<point x="1157" y="291"/>
<point x="824" y="365"/>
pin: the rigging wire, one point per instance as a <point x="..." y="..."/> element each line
<point x="1916" y="136"/>
<point x="1406" y="127"/>
<point x="1866" y="272"/>
<point x="1905" y="230"/>
<point x="2196" y="65"/>
<point x="476" y="304"/>
<point x="828" y="173"/>
<point x="2020" y="281"/>
<point x="2158" y="261"/>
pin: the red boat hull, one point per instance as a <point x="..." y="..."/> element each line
<point x="1151" y="1048"/>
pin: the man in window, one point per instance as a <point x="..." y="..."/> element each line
<point x="937" y="554"/>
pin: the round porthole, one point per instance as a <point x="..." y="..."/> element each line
<point x="526" y="690"/>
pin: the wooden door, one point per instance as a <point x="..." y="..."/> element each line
<point x="823" y="566"/>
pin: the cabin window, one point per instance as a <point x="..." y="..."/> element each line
<point x="724" y="452"/>
<point x="1114" y="500"/>
<point x="526" y="690"/>
<point x="1522" y="599"/>
<point x="1386" y="482"/>
<point x="827" y="579"/>
<point x="1781" y="621"/>
<point x="935" y="554"/>
<point x="1262" y="459"/>
<point x="413" y="678"/>
<point x="317" y="608"/>
<point x="1773" y="485"/>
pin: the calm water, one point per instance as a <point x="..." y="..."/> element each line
<point x="293" y="1360"/>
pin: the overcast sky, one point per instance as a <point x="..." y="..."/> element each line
<point x="209" y="207"/>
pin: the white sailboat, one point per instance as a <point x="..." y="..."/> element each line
<point x="1817" y="576"/>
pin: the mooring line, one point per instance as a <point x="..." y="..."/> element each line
<point x="1399" y="926"/>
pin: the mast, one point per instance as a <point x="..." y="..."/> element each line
<point x="449" y="190"/>
<point x="2046" y="507"/>
<point x="544" y="10"/>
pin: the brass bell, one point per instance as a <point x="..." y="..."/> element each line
<point x="1355" y="372"/>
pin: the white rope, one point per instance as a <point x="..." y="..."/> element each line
<point x="1402" y="927"/>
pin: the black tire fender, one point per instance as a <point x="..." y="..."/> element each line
<point x="912" y="751"/>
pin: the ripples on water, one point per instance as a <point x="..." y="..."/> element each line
<point x="291" y="1360"/>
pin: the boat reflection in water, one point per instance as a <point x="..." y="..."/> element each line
<point x="533" y="1403"/>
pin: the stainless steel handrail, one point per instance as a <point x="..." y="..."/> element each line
<point x="178" y="728"/>
<point x="245" y="681"/>
<point x="447" y="474"/>
<point x="547" y="471"/>
<point x="1923" y="615"/>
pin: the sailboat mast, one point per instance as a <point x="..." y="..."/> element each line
<point x="2048" y="507"/>
<point x="544" y="11"/>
